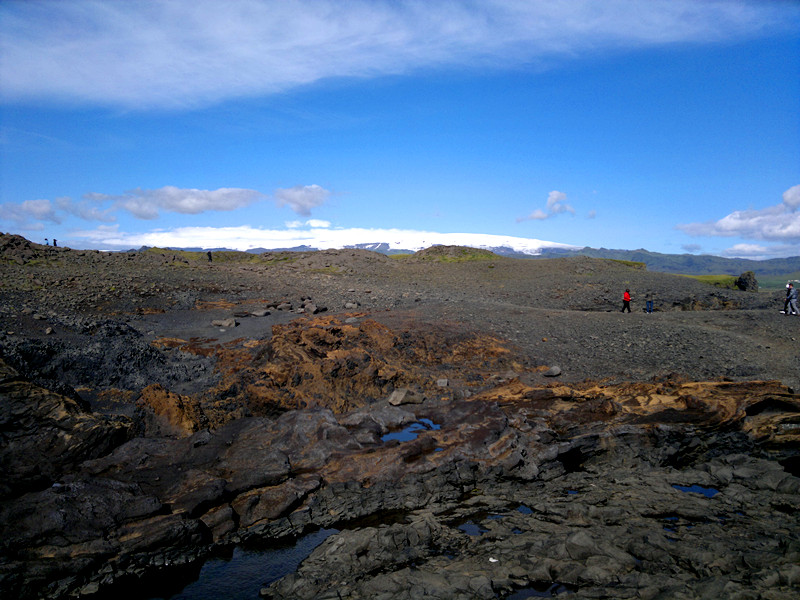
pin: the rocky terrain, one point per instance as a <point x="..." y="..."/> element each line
<point x="158" y="409"/>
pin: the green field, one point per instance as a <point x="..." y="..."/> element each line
<point x="765" y="284"/>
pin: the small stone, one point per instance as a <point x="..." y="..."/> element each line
<point x="405" y="396"/>
<point x="48" y="331"/>
<point x="228" y="323"/>
<point x="553" y="371"/>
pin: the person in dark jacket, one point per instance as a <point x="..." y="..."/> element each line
<point x="791" y="297"/>
<point x="626" y="301"/>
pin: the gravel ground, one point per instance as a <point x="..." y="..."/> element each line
<point x="563" y="312"/>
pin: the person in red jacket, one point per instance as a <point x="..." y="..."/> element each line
<point x="626" y="301"/>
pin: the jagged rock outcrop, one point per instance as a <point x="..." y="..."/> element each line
<point x="517" y="486"/>
<point x="747" y="282"/>
<point x="43" y="434"/>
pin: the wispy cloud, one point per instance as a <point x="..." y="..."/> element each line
<point x="556" y="205"/>
<point x="778" y="223"/>
<point x="302" y="198"/>
<point x="753" y="251"/>
<point x="86" y="210"/>
<point x="188" y="53"/>
<point x="147" y="204"/>
<point x="30" y="215"/>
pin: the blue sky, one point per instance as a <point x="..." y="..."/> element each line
<point x="667" y="125"/>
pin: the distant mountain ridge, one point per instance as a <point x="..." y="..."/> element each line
<point x="687" y="264"/>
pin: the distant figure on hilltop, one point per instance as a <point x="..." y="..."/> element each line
<point x="791" y="300"/>
<point x="209" y="255"/>
<point x="649" y="302"/>
<point x="55" y="242"/>
<point x="626" y="301"/>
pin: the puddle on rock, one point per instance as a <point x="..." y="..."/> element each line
<point x="708" y="492"/>
<point x="672" y="525"/>
<point x="412" y="431"/>
<point x="471" y="528"/>
<point x="242" y="576"/>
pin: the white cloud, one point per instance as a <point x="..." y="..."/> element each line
<point x="302" y="198"/>
<point x="147" y="204"/>
<point x="186" y="53"/>
<point x="779" y="223"/>
<point x="555" y="205"/>
<point x="752" y="251"/>
<point x="791" y="197"/>
<point x="85" y="210"/>
<point x="29" y="214"/>
<point x="536" y="215"/>
<point x="318" y="223"/>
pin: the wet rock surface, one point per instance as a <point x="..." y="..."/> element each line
<point x="550" y="445"/>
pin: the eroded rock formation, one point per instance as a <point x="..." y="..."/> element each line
<point x="667" y="488"/>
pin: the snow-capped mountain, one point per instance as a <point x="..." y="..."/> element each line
<point x="390" y="241"/>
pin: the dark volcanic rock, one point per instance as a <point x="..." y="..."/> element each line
<point x="590" y="487"/>
<point x="43" y="435"/>
<point x="747" y="282"/>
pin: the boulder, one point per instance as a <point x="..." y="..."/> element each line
<point x="553" y="371"/>
<point x="229" y="323"/>
<point x="405" y="396"/>
<point x="747" y="282"/>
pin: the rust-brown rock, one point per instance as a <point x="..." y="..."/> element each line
<point x="328" y="362"/>
<point x="172" y="413"/>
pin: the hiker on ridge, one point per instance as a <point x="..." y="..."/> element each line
<point x="791" y="298"/>
<point x="626" y="301"/>
<point x="649" y="302"/>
